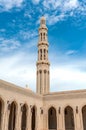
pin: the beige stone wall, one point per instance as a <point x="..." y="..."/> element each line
<point x="10" y="93"/>
<point x="75" y="99"/>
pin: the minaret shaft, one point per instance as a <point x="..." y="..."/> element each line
<point x="43" y="62"/>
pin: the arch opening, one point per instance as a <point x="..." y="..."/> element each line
<point x="12" y="116"/>
<point x="84" y="117"/>
<point x="52" y="120"/>
<point x="33" y="120"/>
<point x="24" y="117"/>
<point x="69" y="118"/>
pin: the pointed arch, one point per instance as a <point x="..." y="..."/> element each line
<point x="52" y="119"/>
<point x="69" y="118"/>
<point x="33" y="119"/>
<point x="84" y="117"/>
<point x="24" y="117"/>
<point x="12" y="115"/>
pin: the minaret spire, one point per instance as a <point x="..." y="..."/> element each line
<point x="43" y="74"/>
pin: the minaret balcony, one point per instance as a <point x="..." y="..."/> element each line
<point x="43" y="62"/>
<point x="43" y="27"/>
<point x="43" y="43"/>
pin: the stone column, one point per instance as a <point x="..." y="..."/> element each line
<point x="43" y="81"/>
<point x="29" y="118"/>
<point x="20" y="116"/>
<point x="45" y="120"/>
<point x="36" y="120"/>
<point x="40" y="119"/>
<point x="38" y="82"/>
<point x="46" y="82"/>
<point x="7" y="113"/>
<point x="3" y="118"/>
<point x="28" y="121"/>
<point x="63" y="116"/>
<point x="77" y="119"/>
<point x="81" y="118"/>
<point x="17" y="118"/>
<point x="60" y="119"/>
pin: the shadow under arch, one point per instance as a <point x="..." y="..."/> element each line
<point x="52" y="119"/>
<point x="24" y="110"/>
<point x="69" y="118"/>
<point x="12" y="115"/>
<point x="84" y="117"/>
<point x="33" y="118"/>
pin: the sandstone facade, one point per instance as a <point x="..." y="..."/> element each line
<point x="22" y="109"/>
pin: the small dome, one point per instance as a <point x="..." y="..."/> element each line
<point x="43" y="18"/>
<point x="27" y="87"/>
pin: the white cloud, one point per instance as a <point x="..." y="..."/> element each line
<point x="19" y="69"/>
<point x="26" y="14"/>
<point x="68" y="77"/>
<point x="62" y="9"/>
<point x="28" y="34"/>
<point x="71" y="52"/>
<point x="9" y="4"/>
<point x="70" y="4"/>
<point x="53" y="3"/>
<point x="35" y="1"/>
<point x="51" y="20"/>
<point x="61" y="4"/>
<point x="8" y="44"/>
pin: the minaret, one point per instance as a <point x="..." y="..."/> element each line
<point x="43" y="74"/>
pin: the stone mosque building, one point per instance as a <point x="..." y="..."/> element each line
<point x="22" y="109"/>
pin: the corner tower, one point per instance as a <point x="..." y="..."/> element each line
<point x="43" y="74"/>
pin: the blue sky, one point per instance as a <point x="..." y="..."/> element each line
<point x="66" y="22"/>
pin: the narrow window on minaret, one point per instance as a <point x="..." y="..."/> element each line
<point x="41" y="36"/>
<point x="40" y="79"/>
<point x="38" y="54"/>
<point x="44" y="36"/>
<point x="47" y="54"/>
<point x="44" y="54"/>
<point x="41" y="54"/>
<point x="44" y="80"/>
